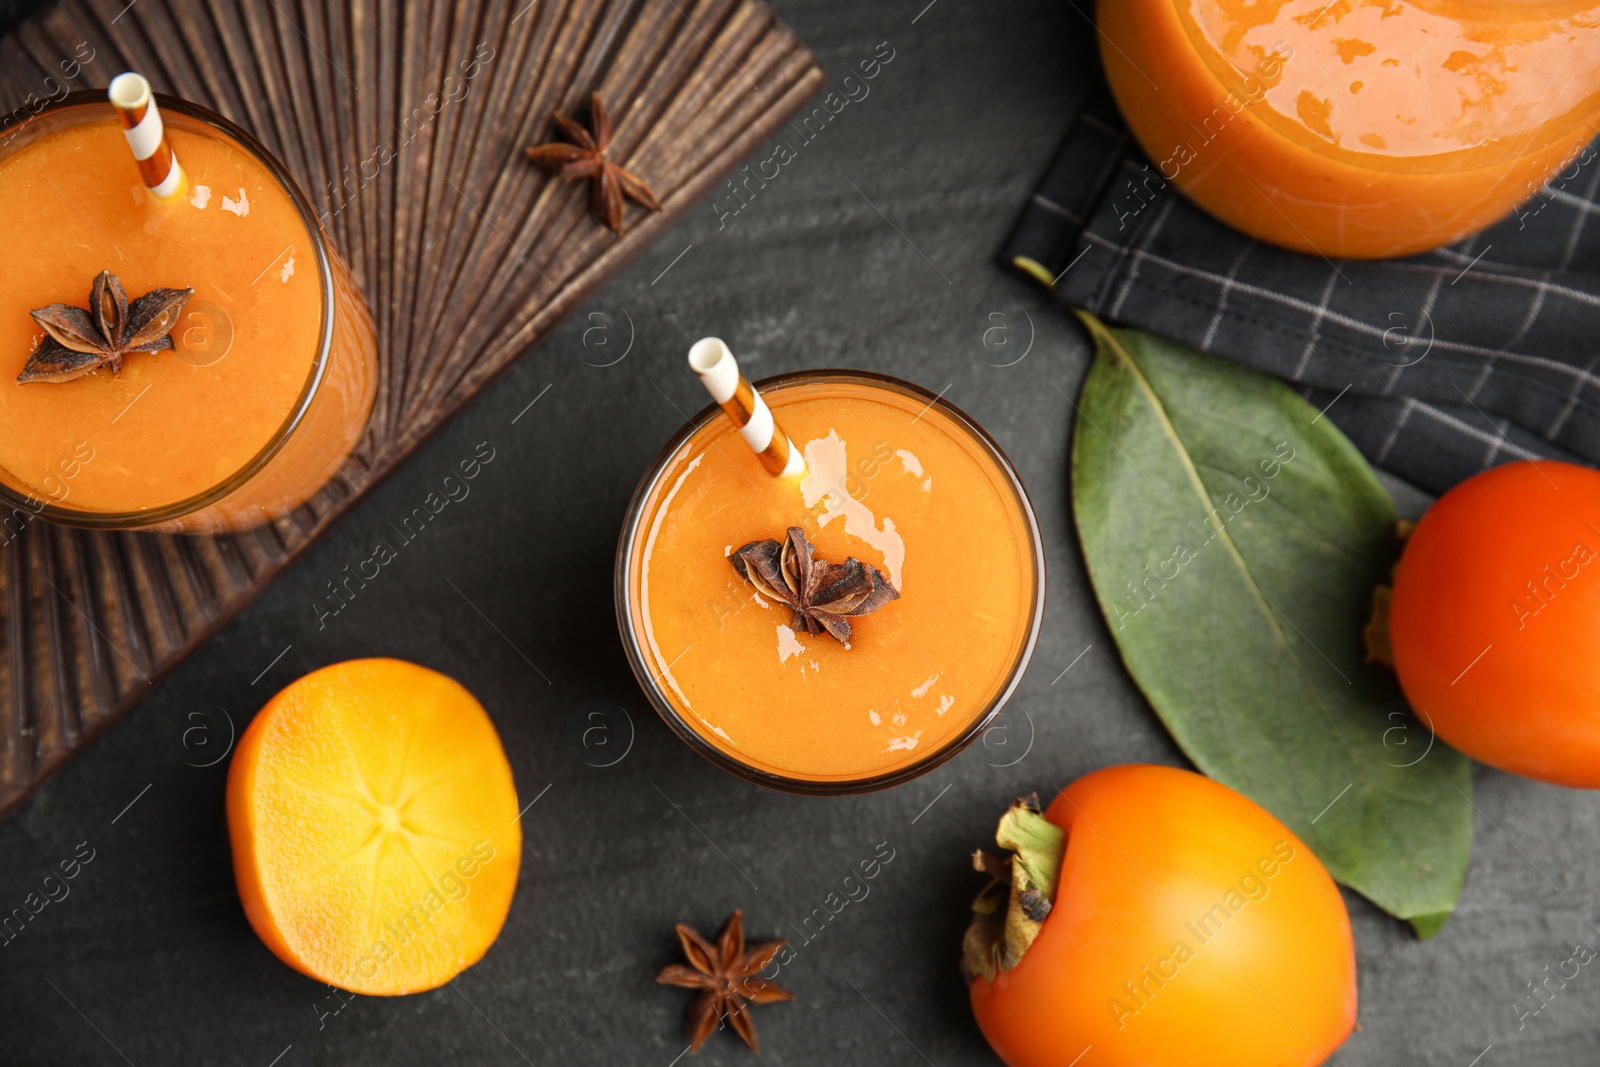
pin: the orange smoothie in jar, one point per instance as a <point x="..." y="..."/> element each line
<point x="1361" y="128"/>
<point x="895" y="480"/>
<point x="273" y="371"/>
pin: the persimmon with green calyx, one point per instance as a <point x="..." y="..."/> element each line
<point x="1494" y="620"/>
<point x="1154" y="916"/>
<point x="376" y="838"/>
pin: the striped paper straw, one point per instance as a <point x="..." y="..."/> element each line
<point x="719" y="373"/>
<point x="147" y="135"/>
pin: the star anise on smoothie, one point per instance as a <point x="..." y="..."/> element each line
<point x="78" y="341"/>
<point x="822" y="595"/>
<point x="589" y="157"/>
<point x="728" y="977"/>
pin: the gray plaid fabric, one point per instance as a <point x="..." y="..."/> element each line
<point x="1436" y="366"/>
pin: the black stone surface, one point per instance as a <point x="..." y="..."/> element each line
<point x="873" y="249"/>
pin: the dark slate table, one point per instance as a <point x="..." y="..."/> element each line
<point x="874" y="249"/>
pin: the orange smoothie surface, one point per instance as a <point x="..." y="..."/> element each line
<point x="1357" y="127"/>
<point x="1412" y="78"/>
<point x="165" y="427"/>
<point x="911" y="494"/>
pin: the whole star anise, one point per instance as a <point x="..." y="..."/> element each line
<point x="822" y="595"/>
<point x="79" y="341"/>
<point x="588" y="157"/>
<point x="727" y="975"/>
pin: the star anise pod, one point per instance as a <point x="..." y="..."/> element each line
<point x="79" y="341"/>
<point x="588" y="157"/>
<point x="727" y="975"/>
<point x="822" y="595"/>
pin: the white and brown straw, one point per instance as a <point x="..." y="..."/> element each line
<point x="147" y="135"/>
<point x="719" y="373"/>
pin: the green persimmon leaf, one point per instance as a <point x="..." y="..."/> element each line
<point x="1234" y="538"/>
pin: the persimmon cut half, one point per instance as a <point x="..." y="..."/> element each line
<point x="374" y="823"/>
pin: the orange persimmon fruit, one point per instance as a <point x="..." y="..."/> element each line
<point x="1494" y="621"/>
<point x="376" y="842"/>
<point x="1169" y="920"/>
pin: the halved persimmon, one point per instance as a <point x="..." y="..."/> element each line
<point x="376" y="841"/>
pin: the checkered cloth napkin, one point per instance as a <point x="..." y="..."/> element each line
<point x="1436" y="366"/>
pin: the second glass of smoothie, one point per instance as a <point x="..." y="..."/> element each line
<point x="1366" y="129"/>
<point x="900" y="481"/>
<point x="274" y="365"/>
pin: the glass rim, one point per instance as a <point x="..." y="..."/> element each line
<point x="626" y="541"/>
<point x="11" y="500"/>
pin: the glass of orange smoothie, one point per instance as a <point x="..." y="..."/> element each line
<point x="274" y="366"/>
<point x="1361" y="128"/>
<point x="896" y="479"/>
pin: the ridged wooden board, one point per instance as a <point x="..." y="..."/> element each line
<point x="467" y="255"/>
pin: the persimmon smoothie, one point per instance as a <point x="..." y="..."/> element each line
<point x="165" y="427"/>
<point x="1371" y="128"/>
<point x="899" y="492"/>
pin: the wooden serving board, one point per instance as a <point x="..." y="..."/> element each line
<point x="467" y="254"/>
